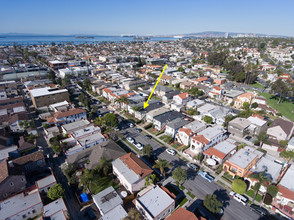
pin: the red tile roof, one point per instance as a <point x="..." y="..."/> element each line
<point x="183" y="95"/>
<point x="70" y="112"/>
<point x="212" y="151"/>
<point x="286" y="192"/>
<point x="200" y="138"/>
<point x="136" y="164"/>
<point x="183" y="214"/>
<point x="217" y="88"/>
<point x="188" y="131"/>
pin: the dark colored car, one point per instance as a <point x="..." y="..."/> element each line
<point x="149" y="136"/>
<point x="90" y="214"/>
<point x="138" y="129"/>
<point x="259" y="210"/>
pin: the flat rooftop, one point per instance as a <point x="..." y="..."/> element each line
<point x="46" y="181"/>
<point x="245" y="156"/>
<point x="91" y="138"/>
<point x="75" y="125"/>
<point x="46" y="91"/>
<point x="18" y="203"/>
<point x="287" y="180"/>
<point x="107" y="199"/>
<point x="155" y="201"/>
<point x="225" y="147"/>
<point x="269" y="166"/>
<point x="54" y="207"/>
<point x="211" y="132"/>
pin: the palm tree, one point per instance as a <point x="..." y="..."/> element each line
<point x="104" y="166"/>
<point x="99" y="121"/>
<point x="161" y="165"/>
<point x="86" y="179"/>
<point x="262" y="179"/>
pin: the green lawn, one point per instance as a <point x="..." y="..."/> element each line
<point x="184" y="200"/>
<point x="251" y="194"/>
<point x="191" y="195"/>
<point x="257" y="85"/>
<point x="285" y="107"/>
<point x="100" y="184"/>
<point x="176" y="146"/>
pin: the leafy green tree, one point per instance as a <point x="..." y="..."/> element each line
<point x="45" y="125"/>
<point x="99" y="121"/>
<point x="254" y="105"/>
<point x="280" y="87"/>
<point x="162" y="165"/>
<point x="151" y="179"/>
<point x="147" y="150"/>
<point x="217" y="58"/>
<point x="212" y="204"/>
<point x="200" y="93"/>
<point x="133" y="214"/>
<point x="272" y="190"/>
<point x="239" y="186"/>
<point x="56" y="192"/>
<point x="87" y="84"/>
<point x="104" y="166"/>
<point x="56" y="148"/>
<point x="181" y="69"/>
<point x="192" y="111"/>
<point x="111" y="120"/>
<point x="31" y="138"/>
<point x="283" y="143"/>
<point x="288" y="155"/>
<point x="207" y="119"/>
<point x="180" y="175"/>
<point x="246" y="106"/>
<point x="193" y="91"/>
<point x="261" y="138"/>
<point x="262" y="179"/>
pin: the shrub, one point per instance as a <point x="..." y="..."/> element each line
<point x="239" y="186"/>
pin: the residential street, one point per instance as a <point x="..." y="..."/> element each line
<point x="195" y="183"/>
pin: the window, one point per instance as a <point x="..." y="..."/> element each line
<point x="24" y="216"/>
<point x="11" y="184"/>
<point x="33" y="211"/>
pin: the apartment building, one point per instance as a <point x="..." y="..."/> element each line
<point x="47" y="96"/>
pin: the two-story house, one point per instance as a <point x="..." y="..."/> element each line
<point x="64" y="117"/>
<point x="131" y="171"/>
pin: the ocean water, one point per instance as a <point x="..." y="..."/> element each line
<point x="8" y="40"/>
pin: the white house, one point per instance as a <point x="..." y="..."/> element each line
<point x="131" y="171"/>
<point x="207" y="138"/>
<point x="156" y="203"/>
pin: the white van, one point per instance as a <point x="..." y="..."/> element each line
<point x="240" y="198"/>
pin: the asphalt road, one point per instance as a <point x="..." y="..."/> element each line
<point x="195" y="183"/>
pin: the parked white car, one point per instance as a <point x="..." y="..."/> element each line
<point x="171" y="152"/>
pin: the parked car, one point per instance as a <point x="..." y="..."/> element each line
<point x="248" y="138"/>
<point x="131" y="125"/>
<point x="259" y="210"/>
<point x="239" y="198"/>
<point x="90" y="214"/>
<point x="139" y="146"/>
<point x="131" y="140"/>
<point x="171" y="152"/>
<point x="193" y="166"/>
<point x="206" y="176"/>
<point x="149" y="136"/>
<point x="138" y="129"/>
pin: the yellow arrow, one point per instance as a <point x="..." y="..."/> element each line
<point x="146" y="103"/>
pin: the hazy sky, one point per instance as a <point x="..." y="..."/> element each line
<point x="146" y="16"/>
